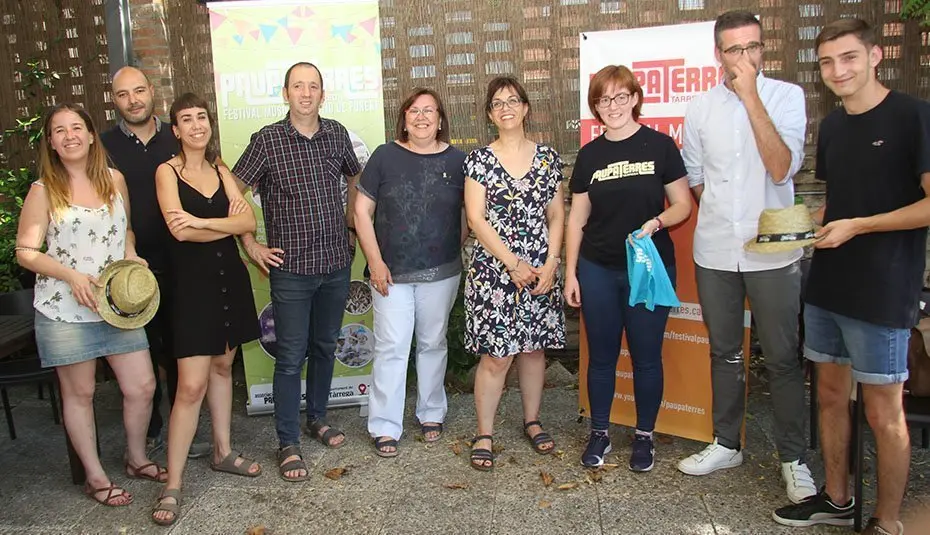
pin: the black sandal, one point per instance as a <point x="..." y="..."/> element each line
<point x="480" y="455"/>
<point x="385" y="442"/>
<point x="326" y="437"/>
<point x="431" y="428"/>
<point x="540" y="439"/>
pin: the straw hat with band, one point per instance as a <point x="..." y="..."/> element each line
<point x="783" y="229"/>
<point x="128" y="294"/>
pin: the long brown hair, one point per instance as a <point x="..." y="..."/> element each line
<point x="54" y="175"/>
<point x="186" y="102"/>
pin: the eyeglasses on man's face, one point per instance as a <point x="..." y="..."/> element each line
<point x="621" y="99"/>
<point x="736" y="51"/>
<point x="512" y="102"/>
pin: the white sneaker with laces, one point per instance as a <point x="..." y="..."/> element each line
<point x="714" y="457"/>
<point x="799" y="483"/>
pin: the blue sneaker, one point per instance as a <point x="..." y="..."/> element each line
<point x="643" y="457"/>
<point x="598" y="448"/>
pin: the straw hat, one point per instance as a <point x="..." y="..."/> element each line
<point x="784" y="229"/>
<point x="128" y="294"/>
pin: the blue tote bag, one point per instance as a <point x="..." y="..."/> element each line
<point x="649" y="282"/>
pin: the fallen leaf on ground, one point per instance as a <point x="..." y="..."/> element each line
<point x="559" y="453"/>
<point x="419" y="438"/>
<point x="664" y="439"/>
<point x="609" y="466"/>
<point x="595" y="476"/>
<point x="497" y="449"/>
<point x="547" y="478"/>
<point x="567" y="486"/>
<point x="456" y="448"/>
<point x="544" y="504"/>
<point x="455" y="486"/>
<point x="256" y="530"/>
<point x="335" y="473"/>
<point x="512" y="460"/>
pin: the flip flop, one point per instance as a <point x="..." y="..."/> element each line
<point x="431" y="428"/>
<point x="228" y="465"/>
<point x="109" y="500"/>
<point x="139" y="473"/>
<point x="296" y="464"/>
<point x="173" y="508"/>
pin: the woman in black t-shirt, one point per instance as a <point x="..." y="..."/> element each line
<point x="619" y="186"/>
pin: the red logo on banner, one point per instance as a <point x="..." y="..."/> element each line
<point x="670" y="80"/>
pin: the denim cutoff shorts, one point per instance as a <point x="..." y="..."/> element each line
<point x="61" y="343"/>
<point x="878" y="354"/>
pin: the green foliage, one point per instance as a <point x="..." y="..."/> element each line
<point x="15" y="180"/>
<point x="917" y="10"/>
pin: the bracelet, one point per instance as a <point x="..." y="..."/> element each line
<point x="25" y="248"/>
<point x="661" y="226"/>
<point x="557" y="258"/>
<point x="515" y="266"/>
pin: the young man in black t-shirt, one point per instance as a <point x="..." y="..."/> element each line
<point x="866" y="275"/>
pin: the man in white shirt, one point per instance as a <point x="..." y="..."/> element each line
<point x="743" y="143"/>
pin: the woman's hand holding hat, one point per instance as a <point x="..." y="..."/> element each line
<point x="133" y="257"/>
<point x="82" y="289"/>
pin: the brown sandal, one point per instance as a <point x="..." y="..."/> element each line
<point x="228" y="465"/>
<point x="109" y="500"/>
<point x="296" y="464"/>
<point x="173" y="508"/>
<point x="140" y="472"/>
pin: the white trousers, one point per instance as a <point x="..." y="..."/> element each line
<point x="421" y="308"/>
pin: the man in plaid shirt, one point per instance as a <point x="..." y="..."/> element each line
<point x="297" y="167"/>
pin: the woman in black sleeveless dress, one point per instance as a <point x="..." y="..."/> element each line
<point x="213" y="310"/>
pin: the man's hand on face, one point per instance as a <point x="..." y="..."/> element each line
<point x="743" y="78"/>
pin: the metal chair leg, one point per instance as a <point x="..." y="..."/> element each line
<point x="859" y="436"/>
<point x="53" y="398"/>
<point x="814" y="407"/>
<point x="9" y="413"/>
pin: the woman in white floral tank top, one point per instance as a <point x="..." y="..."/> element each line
<point x="80" y="209"/>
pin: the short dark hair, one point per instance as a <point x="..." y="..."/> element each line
<point x="507" y="82"/>
<point x="186" y="102"/>
<point x="400" y="130"/>
<point x="287" y="75"/>
<point x="843" y="27"/>
<point x="732" y="20"/>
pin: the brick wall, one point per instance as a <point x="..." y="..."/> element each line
<point x="151" y="51"/>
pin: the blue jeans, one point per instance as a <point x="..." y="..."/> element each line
<point x="878" y="354"/>
<point x="308" y="311"/>
<point x="605" y="297"/>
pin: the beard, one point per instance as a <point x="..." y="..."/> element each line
<point x="144" y="118"/>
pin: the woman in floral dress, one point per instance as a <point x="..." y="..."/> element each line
<point x="513" y="298"/>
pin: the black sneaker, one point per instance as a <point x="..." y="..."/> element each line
<point x="643" y="457"/>
<point x="872" y="528"/>
<point x="598" y="448"/>
<point x="818" y="509"/>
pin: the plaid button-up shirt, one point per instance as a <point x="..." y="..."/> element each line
<point x="300" y="182"/>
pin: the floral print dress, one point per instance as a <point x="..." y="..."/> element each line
<point x="499" y="320"/>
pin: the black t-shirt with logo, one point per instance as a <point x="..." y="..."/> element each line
<point x="872" y="164"/>
<point x="625" y="182"/>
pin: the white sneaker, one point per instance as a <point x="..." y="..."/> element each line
<point x="714" y="457"/>
<point x="799" y="483"/>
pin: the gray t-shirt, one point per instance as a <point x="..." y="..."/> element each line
<point x="418" y="218"/>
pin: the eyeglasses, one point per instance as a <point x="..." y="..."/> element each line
<point x="512" y="102"/>
<point x="622" y="99"/>
<point x="736" y="51"/>
<point x="426" y="112"/>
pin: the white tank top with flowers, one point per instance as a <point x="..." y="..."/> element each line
<point x="86" y="240"/>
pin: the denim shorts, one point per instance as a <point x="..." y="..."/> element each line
<point x="61" y="343"/>
<point x="878" y="354"/>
